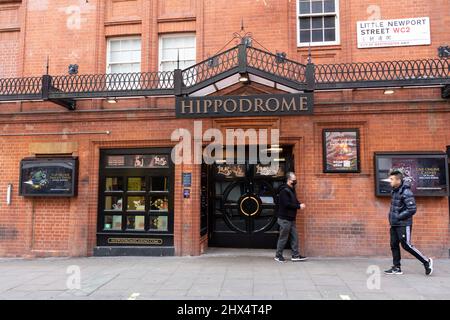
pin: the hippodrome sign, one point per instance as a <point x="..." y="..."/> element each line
<point x="242" y="106"/>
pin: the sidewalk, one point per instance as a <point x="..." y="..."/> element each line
<point x="219" y="274"/>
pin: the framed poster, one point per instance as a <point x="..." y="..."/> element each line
<point x="341" y="151"/>
<point x="48" y="177"/>
<point x="427" y="172"/>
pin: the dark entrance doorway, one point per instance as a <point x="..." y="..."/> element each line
<point x="242" y="202"/>
<point x="448" y="162"/>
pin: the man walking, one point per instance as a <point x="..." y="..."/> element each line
<point x="403" y="207"/>
<point x="288" y="205"/>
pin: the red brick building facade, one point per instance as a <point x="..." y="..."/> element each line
<point x="344" y="217"/>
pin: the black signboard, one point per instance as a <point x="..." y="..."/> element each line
<point x="48" y="177"/>
<point x="187" y="179"/>
<point x="341" y="151"/>
<point x="243" y="106"/>
<point x="427" y="172"/>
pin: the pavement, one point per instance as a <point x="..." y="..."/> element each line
<point x="220" y="274"/>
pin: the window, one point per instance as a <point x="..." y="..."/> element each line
<point x="318" y="22"/>
<point x="176" y="47"/>
<point x="124" y="55"/>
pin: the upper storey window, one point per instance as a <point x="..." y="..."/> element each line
<point x="318" y="22"/>
<point x="176" y="48"/>
<point x="124" y="55"/>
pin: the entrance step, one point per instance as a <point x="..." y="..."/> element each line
<point x="234" y="252"/>
<point x="110" y="251"/>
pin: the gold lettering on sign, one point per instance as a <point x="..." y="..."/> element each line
<point x="227" y="103"/>
<point x="184" y="106"/>
<point x="207" y="105"/>
<point x="276" y="103"/>
<point x="241" y="105"/>
<point x="259" y="105"/>
<point x="217" y="105"/>
<point x="303" y="103"/>
<point x="285" y="106"/>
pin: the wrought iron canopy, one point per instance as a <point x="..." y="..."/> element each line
<point x="66" y="89"/>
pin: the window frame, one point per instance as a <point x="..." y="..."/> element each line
<point x="174" y="35"/>
<point x="108" y="52"/>
<point x="322" y="43"/>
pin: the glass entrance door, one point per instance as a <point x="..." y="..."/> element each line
<point x="244" y="208"/>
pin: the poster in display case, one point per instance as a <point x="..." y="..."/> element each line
<point x="341" y="151"/>
<point x="48" y="177"/>
<point x="427" y="172"/>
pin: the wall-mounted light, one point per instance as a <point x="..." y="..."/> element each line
<point x="111" y="100"/>
<point x="444" y="51"/>
<point x="274" y="148"/>
<point x="389" y="91"/>
<point x="8" y="194"/>
<point x="244" y="78"/>
<point x="280" y="57"/>
<point x="73" y="69"/>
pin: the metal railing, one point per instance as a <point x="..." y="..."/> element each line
<point x="276" y="65"/>
<point x="210" y="68"/>
<point x="368" y="74"/>
<point x="239" y="59"/>
<point x="20" y="88"/>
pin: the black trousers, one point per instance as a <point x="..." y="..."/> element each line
<point x="402" y="236"/>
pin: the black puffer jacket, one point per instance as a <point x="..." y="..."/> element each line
<point x="288" y="203"/>
<point x="403" y="206"/>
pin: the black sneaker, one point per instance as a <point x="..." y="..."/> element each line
<point x="394" y="270"/>
<point x="429" y="267"/>
<point x="280" y="259"/>
<point x="298" y="258"/>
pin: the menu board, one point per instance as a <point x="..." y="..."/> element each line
<point x="48" y="177"/>
<point x="341" y="150"/>
<point x="428" y="173"/>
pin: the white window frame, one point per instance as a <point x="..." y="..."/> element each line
<point x="174" y="35"/>
<point x="322" y="43"/>
<point x="108" y="51"/>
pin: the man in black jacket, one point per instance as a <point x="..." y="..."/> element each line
<point x="287" y="212"/>
<point x="403" y="207"/>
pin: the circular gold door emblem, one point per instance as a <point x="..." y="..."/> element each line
<point x="249" y="205"/>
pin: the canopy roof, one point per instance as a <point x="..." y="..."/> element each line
<point x="226" y="69"/>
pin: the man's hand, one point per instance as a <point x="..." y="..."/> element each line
<point x="302" y="206"/>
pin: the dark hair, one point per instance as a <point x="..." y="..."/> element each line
<point x="396" y="172"/>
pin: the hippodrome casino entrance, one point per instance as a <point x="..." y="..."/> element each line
<point x="239" y="200"/>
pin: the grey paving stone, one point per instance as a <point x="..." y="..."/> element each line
<point x="327" y="280"/>
<point x="170" y="294"/>
<point x="372" y="296"/>
<point x="202" y="290"/>
<point x="235" y="274"/>
<point x="304" y="295"/>
<point x="299" y="284"/>
<point x="335" y="292"/>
